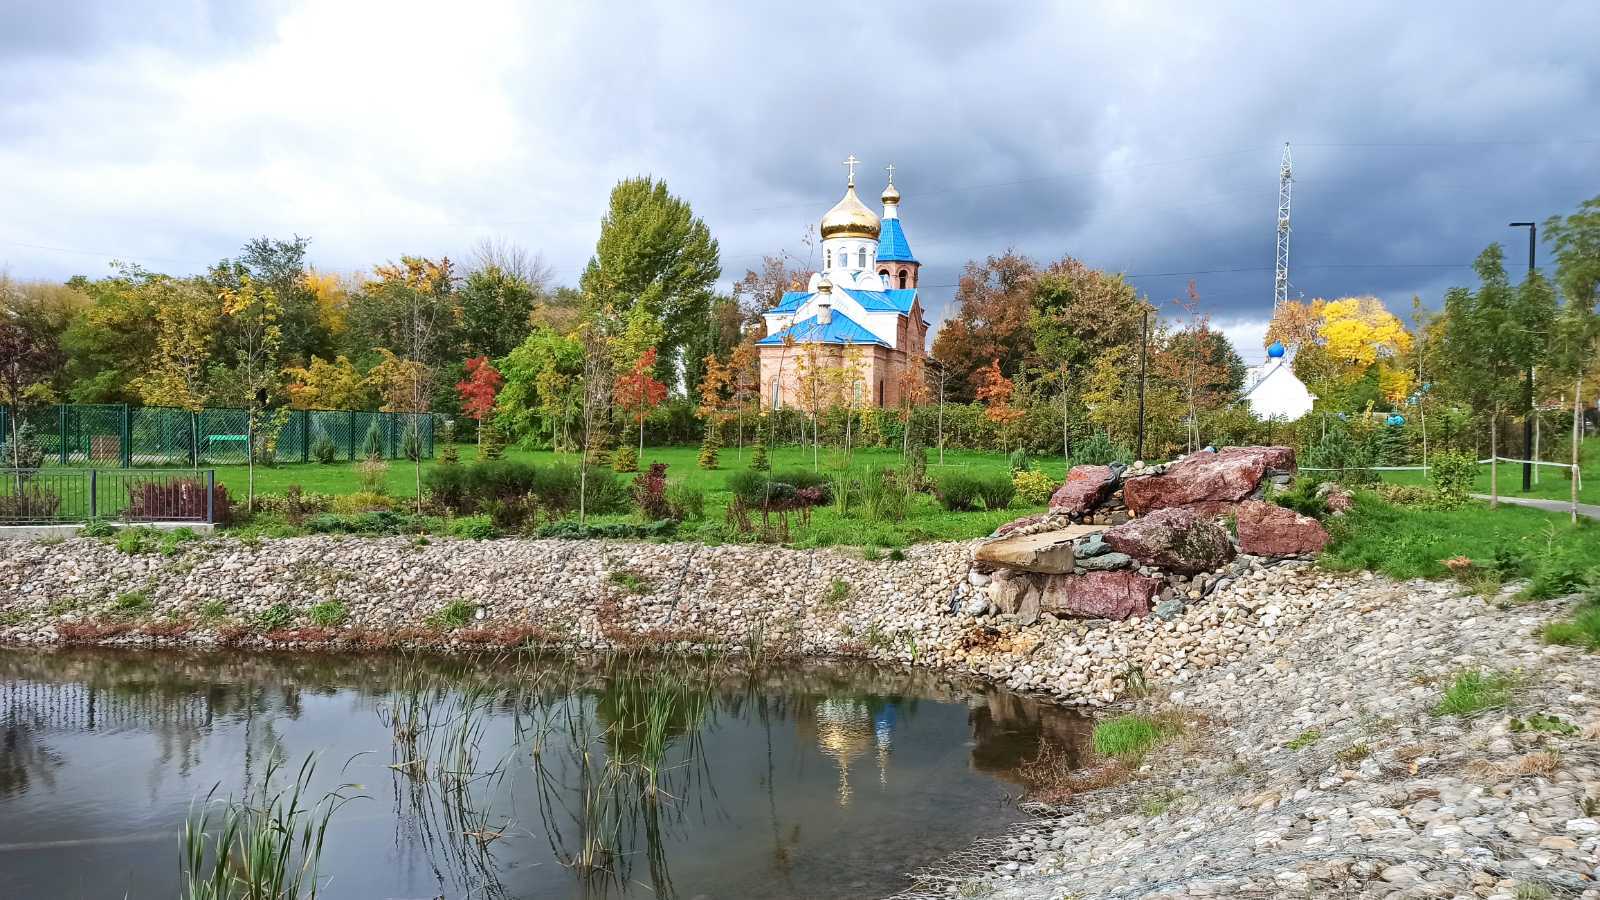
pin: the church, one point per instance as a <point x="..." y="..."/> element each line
<point x="861" y="308"/>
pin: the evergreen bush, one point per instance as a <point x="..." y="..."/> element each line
<point x="372" y="444"/>
<point x="1453" y="474"/>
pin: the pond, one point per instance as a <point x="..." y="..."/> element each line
<point x="499" y="777"/>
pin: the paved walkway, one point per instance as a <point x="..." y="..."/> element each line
<point x="1588" y="510"/>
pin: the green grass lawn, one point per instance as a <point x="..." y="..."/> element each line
<point x="1509" y="542"/>
<point x="1553" y="483"/>
<point x="927" y="520"/>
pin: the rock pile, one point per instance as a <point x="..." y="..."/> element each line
<point x="1119" y="541"/>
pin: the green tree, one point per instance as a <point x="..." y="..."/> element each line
<point x="1491" y="336"/>
<point x="280" y="266"/>
<point x="1076" y="314"/>
<point x="1576" y="241"/>
<point x="653" y="254"/>
<point x="110" y="345"/>
<point x="542" y="391"/>
<point x="495" y="306"/>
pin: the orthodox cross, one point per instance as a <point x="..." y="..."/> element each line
<point x="890" y="169"/>
<point x="851" y="163"/>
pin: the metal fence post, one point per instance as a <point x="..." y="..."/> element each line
<point x="94" y="493"/>
<point x="352" y="435"/>
<point x="305" y="435"/>
<point x="61" y="428"/>
<point x="211" y="496"/>
<point x="127" y="437"/>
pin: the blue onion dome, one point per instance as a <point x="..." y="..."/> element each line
<point x="1276" y="350"/>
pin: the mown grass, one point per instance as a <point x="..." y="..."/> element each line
<point x="1553" y="482"/>
<point x="1404" y="542"/>
<point x="924" y="520"/>
<point x="1472" y="692"/>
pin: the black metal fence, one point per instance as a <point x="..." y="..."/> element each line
<point x="62" y="496"/>
<point x="81" y="434"/>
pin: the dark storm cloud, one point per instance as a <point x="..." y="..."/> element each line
<point x="1143" y="138"/>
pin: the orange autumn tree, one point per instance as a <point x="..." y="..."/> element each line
<point x="995" y="391"/>
<point x="637" y="391"/>
<point x="479" y="390"/>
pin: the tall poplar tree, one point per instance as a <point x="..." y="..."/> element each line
<point x="656" y="256"/>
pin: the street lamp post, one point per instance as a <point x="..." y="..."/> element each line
<point x="1527" y="387"/>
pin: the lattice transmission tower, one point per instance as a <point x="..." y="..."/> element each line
<point x="1280" y="284"/>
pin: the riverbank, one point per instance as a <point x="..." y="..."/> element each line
<point x="616" y="595"/>
<point x="1318" y="765"/>
<point x="1326" y="766"/>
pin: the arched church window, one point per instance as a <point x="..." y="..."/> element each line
<point x="861" y="258"/>
<point x="884" y="273"/>
<point x="902" y="279"/>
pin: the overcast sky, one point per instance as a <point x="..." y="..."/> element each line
<point x="1143" y="137"/>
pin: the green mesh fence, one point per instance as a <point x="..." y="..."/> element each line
<point x="128" y="436"/>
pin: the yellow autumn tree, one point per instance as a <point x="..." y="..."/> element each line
<point x="328" y="385"/>
<point x="1359" y="331"/>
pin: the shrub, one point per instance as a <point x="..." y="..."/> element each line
<point x="916" y="469"/>
<point x="29" y="503"/>
<point x="328" y="613"/>
<point x="448" y="486"/>
<point x="372" y="444"/>
<point x="181" y="498"/>
<point x="449" y="453"/>
<point x="323" y="449"/>
<point x="1302" y="497"/>
<point x="411" y="444"/>
<point x="756" y="489"/>
<point x="25" y="453"/>
<point x="475" y="529"/>
<point x="491" y="442"/>
<point x="1098" y="450"/>
<point x="97" y="528"/>
<point x="958" y="491"/>
<point x="1033" y="486"/>
<point x="686" y="502"/>
<point x="709" y="445"/>
<point x="818" y="484"/>
<point x="568" y="529"/>
<point x="359" y="502"/>
<point x="650" y="493"/>
<point x="1019" y="460"/>
<point x="1452" y="473"/>
<point x="885" y="495"/>
<point x="1346" y="453"/>
<point x="1407" y="494"/>
<point x="758" y="454"/>
<point x="996" y="490"/>
<point x="373" y="475"/>
<point x="382" y="522"/>
<point x="1473" y="691"/>
<point x="626" y="459"/>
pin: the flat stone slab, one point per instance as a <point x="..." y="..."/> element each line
<point x="1048" y="552"/>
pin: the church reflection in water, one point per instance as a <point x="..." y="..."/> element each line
<point x="1006" y="733"/>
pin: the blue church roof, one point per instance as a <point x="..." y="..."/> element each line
<point x="892" y="245"/>
<point x="841" y="330"/>
<point x="897" y="300"/>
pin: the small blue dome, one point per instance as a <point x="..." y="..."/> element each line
<point x="1276" y="350"/>
<point x="1396" y="419"/>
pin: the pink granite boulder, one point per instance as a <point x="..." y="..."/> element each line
<point x="1176" y="539"/>
<point x="1211" y="482"/>
<point x="1100" y="595"/>
<point x="1267" y="529"/>
<point x="1083" y="490"/>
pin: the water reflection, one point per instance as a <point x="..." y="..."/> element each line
<point x="514" y="777"/>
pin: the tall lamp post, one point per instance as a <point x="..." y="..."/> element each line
<point x="1527" y="387"/>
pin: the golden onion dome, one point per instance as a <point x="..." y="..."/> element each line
<point x="890" y="195"/>
<point x="850" y="218"/>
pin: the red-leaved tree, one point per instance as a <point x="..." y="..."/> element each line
<point x="479" y="390"/>
<point x="995" y="391"/>
<point x="637" y="392"/>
